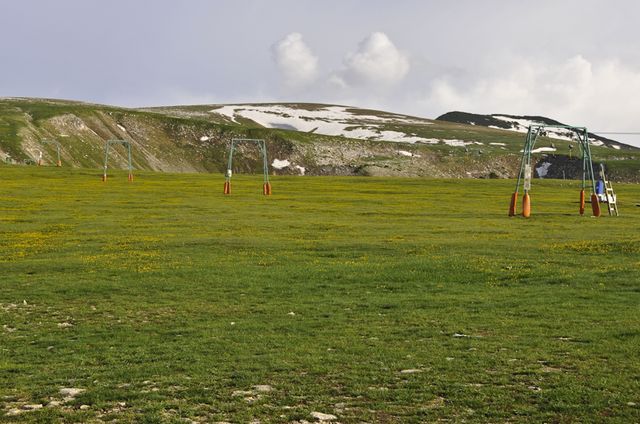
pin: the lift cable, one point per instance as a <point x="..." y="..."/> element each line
<point x="610" y="132"/>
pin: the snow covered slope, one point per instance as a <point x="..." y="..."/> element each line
<point x="328" y="120"/>
<point x="521" y="124"/>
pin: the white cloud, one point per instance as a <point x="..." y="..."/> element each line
<point x="602" y="95"/>
<point x="337" y="81"/>
<point x="295" y="61"/>
<point x="377" y="61"/>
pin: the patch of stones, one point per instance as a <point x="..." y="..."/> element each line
<point x="437" y="402"/>
<point x="23" y="408"/>
<point x="151" y="387"/>
<point x="253" y="395"/>
<point x="7" y="307"/>
<point x="319" y="417"/>
<point x="323" y="417"/>
<point x="13" y="307"/>
<point x="68" y="393"/>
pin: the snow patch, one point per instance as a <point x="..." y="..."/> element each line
<point x="542" y="150"/>
<point x="615" y="146"/>
<point x="455" y="143"/>
<point x="409" y="154"/>
<point x="498" y="144"/>
<point x="329" y="120"/>
<point x="519" y="125"/>
<point x="363" y="133"/>
<point x="522" y="126"/>
<point x="400" y="137"/>
<point x="302" y="169"/>
<point x="204" y="138"/>
<point x="121" y="127"/>
<point x="280" y="164"/>
<point x="543" y="169"/>
<point x="228" y="111"/>
<point x="429" y="141"/>
<point x="568" y="136"/>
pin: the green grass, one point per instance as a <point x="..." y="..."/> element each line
<point x="161" y="298"/>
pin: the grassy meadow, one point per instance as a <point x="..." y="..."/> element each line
<point x="375" y="300"/>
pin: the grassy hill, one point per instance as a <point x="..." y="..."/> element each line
<point x="386" y="300"/>
<point x="195" y="139"/>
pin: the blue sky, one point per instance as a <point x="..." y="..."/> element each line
<point x="575" y="61"/>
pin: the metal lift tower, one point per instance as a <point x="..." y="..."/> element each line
<point x="57" y="144"/>
<point x="526" y="171"/>
<point x="266" y="186"/>
<point x="106" y="156"/>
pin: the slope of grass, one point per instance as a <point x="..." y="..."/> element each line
<point x="376" y="300"/>
<point x="11" y="120"/>
<point x="192" y="139"/>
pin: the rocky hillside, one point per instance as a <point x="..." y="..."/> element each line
<point x="311" y="139"/>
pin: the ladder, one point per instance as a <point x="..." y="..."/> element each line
<point x="612" y="204"/>
<point x="609" y="195"/>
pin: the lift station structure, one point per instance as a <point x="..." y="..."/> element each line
<point x="107" y="146"/>
<point x="57" y="146"/>
<point x="526" y="171"/>
<point x="266" y="185"/>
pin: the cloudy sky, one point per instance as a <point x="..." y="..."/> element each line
<point x="577" y="61"/>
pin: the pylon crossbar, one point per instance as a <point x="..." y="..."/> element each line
<point x="107" y="146"/>
<point x="265" y="164"/>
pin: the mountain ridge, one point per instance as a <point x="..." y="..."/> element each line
<point x="302" y="138"/>
<point x="514" y="123"/>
